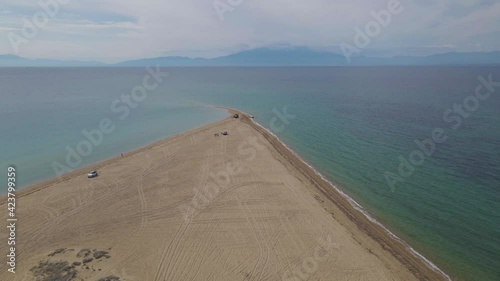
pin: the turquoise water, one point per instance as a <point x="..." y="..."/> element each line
<point x="352" y="124"/>
<point x="45" y="110"/>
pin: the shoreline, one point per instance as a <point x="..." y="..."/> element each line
<point x="353" y="204"/>
<point x="23" y="191"/>
<point x="112" y="158"/>
<point x="415" y="263"/>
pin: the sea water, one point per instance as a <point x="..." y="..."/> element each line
<point x="355" y="125"/>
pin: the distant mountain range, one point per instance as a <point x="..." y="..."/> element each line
<point x="291" y="56"/>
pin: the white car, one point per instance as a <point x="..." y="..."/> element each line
<point x="92" y="174"/>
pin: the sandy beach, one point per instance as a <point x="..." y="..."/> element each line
<point x="203" y="206"/>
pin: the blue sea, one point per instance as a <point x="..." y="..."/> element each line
<point x="416" y="146"/>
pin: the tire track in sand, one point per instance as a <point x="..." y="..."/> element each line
<point x="164" y="266"/>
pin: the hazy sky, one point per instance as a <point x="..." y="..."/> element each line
<point x="113" y="30"/>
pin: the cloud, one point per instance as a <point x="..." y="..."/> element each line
<point x="113" y="30"/>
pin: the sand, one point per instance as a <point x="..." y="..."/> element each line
<point x="203" y="207"/>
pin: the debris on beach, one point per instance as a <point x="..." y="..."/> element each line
<point x="83" y="253"/>
<point x="60" y="270"/>
<point x="65" y="268"/>
<point x="100" y="253"/>
<point x="58" y="251"/>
